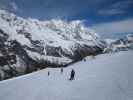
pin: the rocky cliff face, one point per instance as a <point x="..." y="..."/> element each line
<point x="27" y="45"/>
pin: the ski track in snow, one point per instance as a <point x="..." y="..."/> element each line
<point x="107" y="77"/>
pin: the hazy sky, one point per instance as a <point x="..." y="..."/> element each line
<point x="117" y="14"/>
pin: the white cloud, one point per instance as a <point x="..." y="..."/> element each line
<point x="14" y="6"/>
<point x="124" y="26"/>
<point x="123" y="4"/>
<point x="117" y="8"/>
<point x="111" y="12"/>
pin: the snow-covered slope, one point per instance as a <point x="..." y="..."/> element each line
<point x="105" y="77"/>
<point x="29" y="44"/>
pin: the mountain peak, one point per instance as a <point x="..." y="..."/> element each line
<point x="34" y="44"/>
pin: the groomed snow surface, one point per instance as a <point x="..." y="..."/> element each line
<point x="105" y="77"/>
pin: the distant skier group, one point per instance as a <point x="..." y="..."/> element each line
<point x="72" y="74"/>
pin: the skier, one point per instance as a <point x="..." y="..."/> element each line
<point x="61" y="70"/>
<point x="72" y="75"/>
<point x="84" y="60"/>
<point x="48" y="73"/>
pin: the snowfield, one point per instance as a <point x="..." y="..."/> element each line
<point x="105" y="77"/>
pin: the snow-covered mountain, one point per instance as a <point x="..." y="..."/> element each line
<point x="27" y="45"/>
<point x="116" y="45"/>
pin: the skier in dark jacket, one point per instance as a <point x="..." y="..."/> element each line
<point x="72" y="75"/>
<point x="48" y="73"/>
<point x="61" y="70"/>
